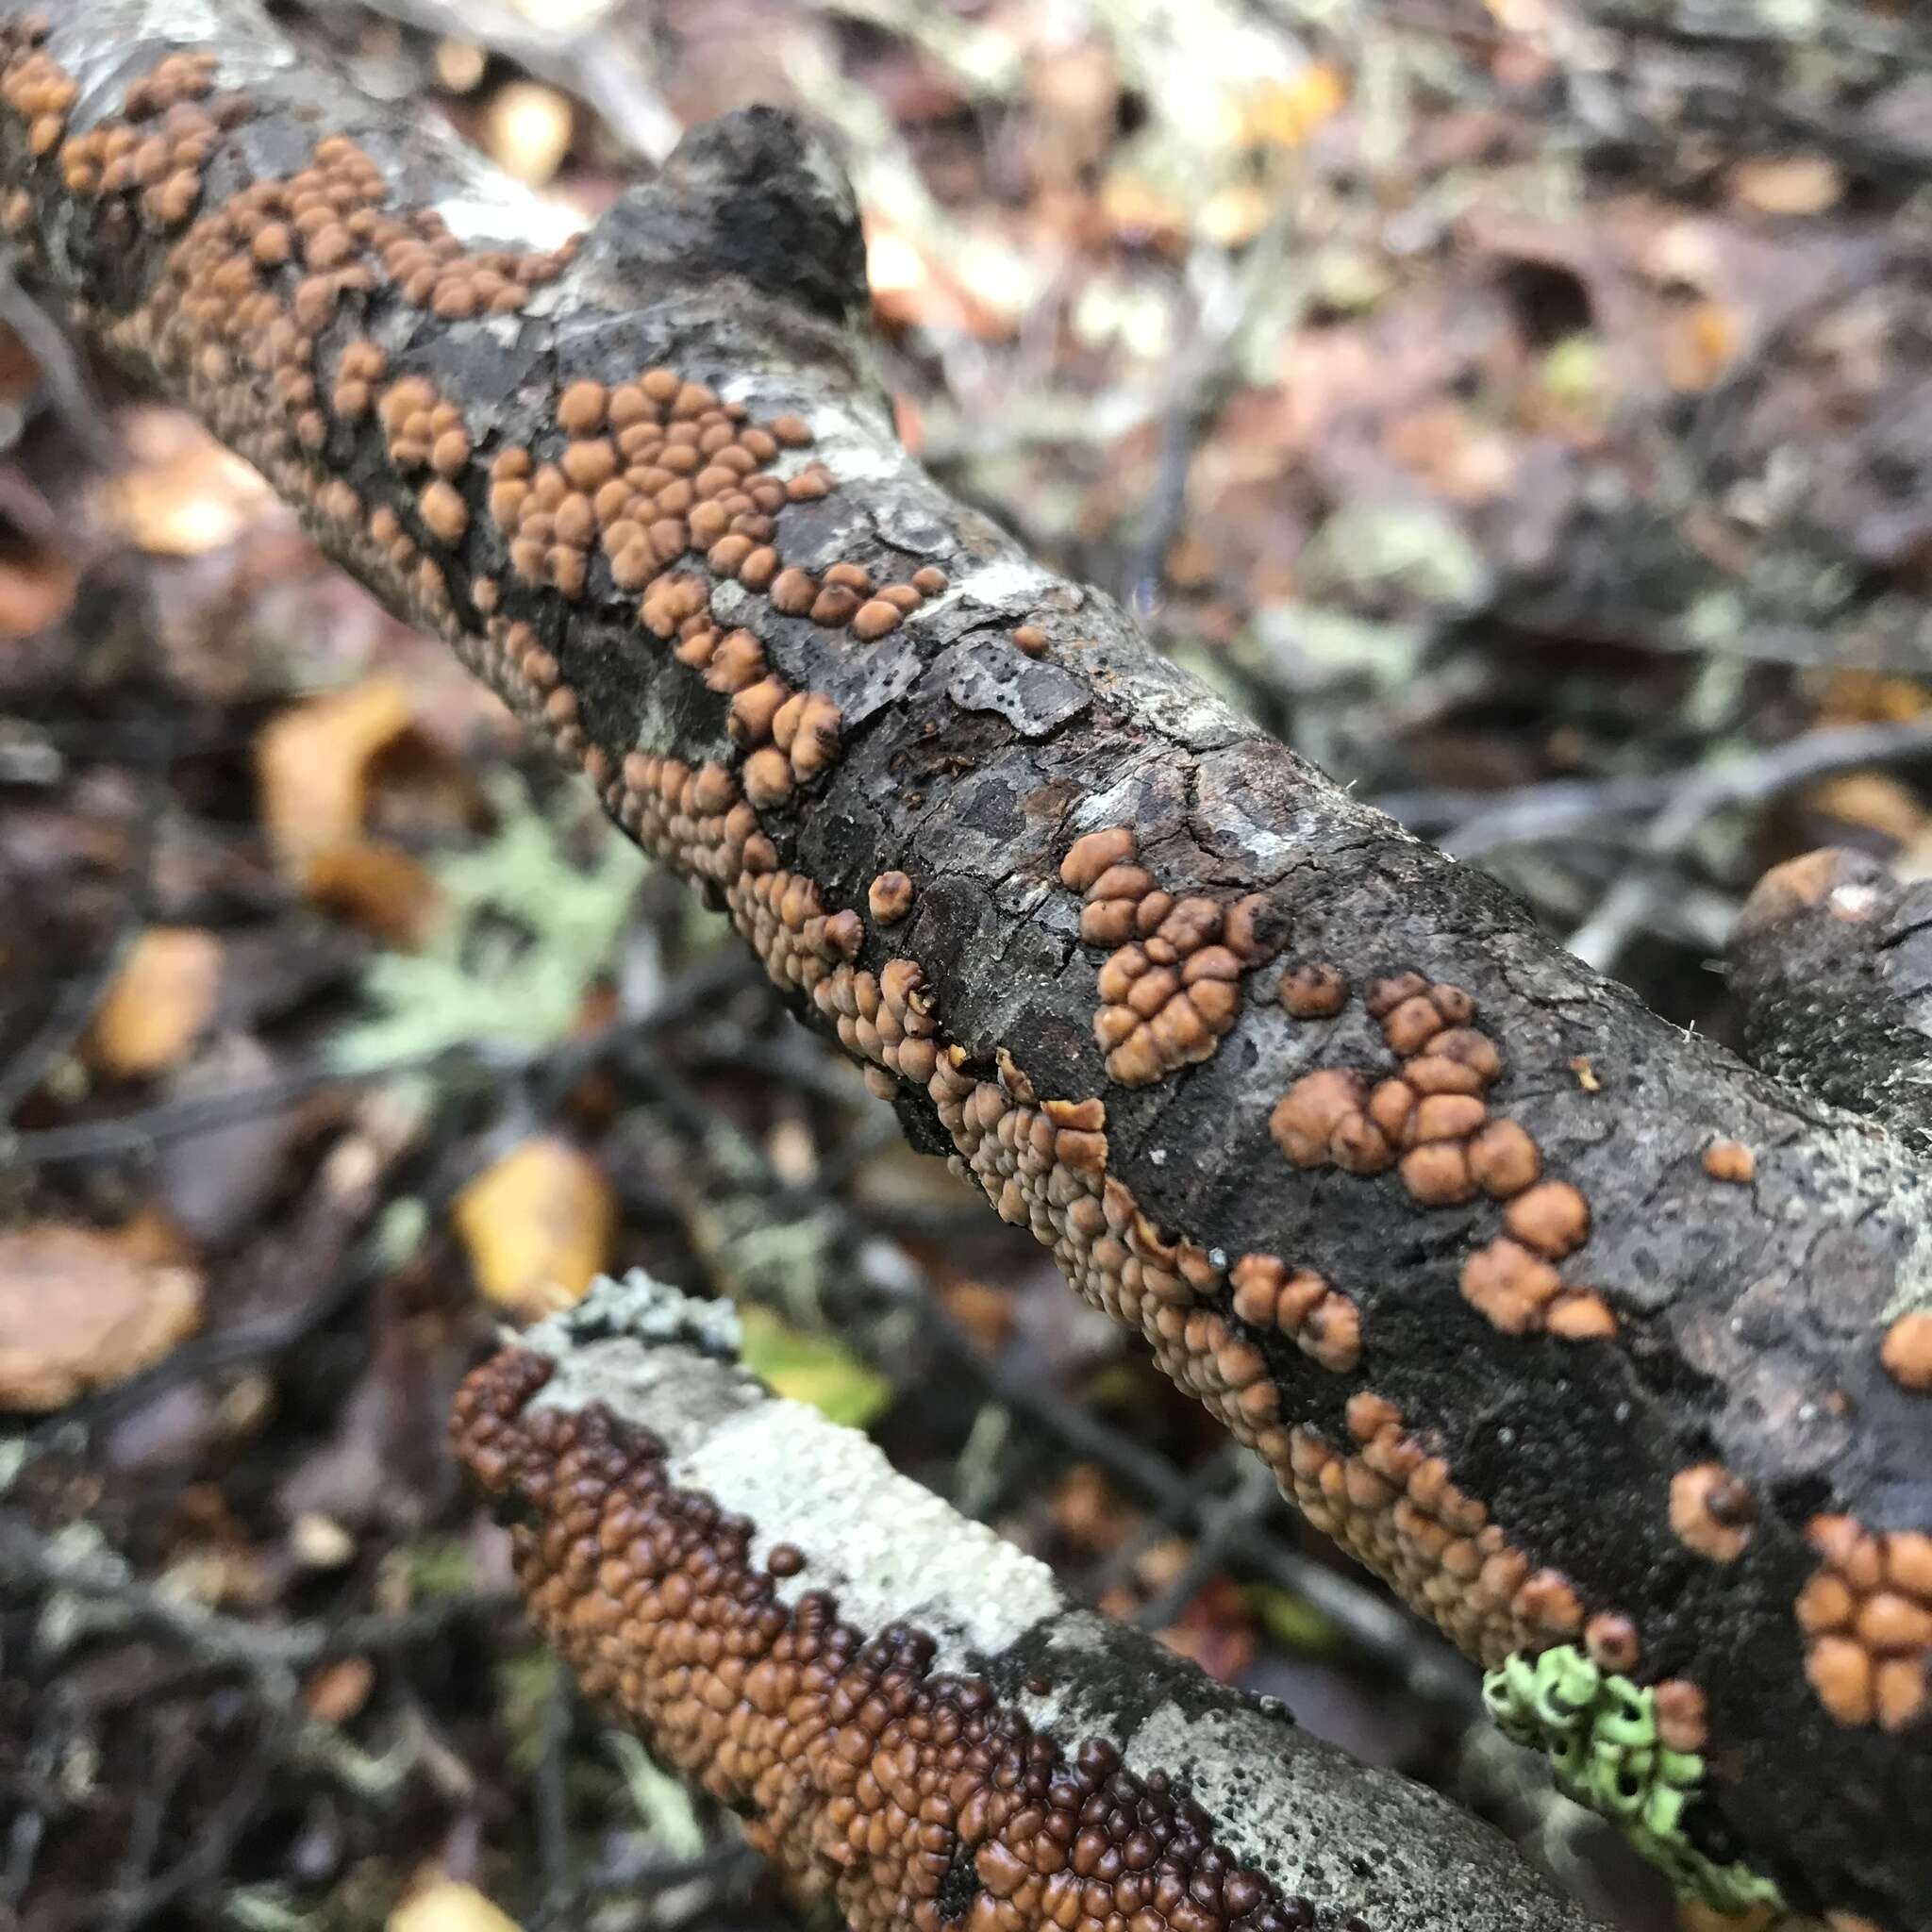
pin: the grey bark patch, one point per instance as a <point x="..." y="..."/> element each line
<point x="990" y="674"/>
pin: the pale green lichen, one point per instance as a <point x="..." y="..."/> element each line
<point x="1599" y="1733"/>
<point x="528" y="926"/>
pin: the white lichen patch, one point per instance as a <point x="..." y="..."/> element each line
<point x="496" y="212"/>
<point x="889" y="1550"/>
<point x="1012" y="585"/>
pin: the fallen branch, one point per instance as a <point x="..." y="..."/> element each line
<point x="1566" y="1323"/>
<point x="906" y="1712"/>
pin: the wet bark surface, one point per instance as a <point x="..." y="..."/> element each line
<point x="1748" y="1317"/>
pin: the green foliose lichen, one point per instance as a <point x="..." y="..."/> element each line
<point x="1599" y="1733"/>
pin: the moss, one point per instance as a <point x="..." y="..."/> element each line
<point x="1599" y="1733"/>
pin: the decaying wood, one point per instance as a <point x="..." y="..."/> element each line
<point x="1567" y="1323"/>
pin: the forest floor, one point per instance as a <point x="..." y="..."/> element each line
<point x="1549" y="473"/>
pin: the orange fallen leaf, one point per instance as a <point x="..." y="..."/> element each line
<point x="538" y="1226"/>
<point x="161" y="998"/>
<point x="339" y="1690"/>
<point x="378" y="886"/>
<point x="1134" y="210"/>
<point x="322" y="765"/>
<point x="985" y="1311"/>
<point x="1874" y="801"/>
<point x="1698" y="345"/>
<point x="315" y="761"/>
<point x="34" y="590"/>
<point x="77" y="1312"/>
<point x="152" y="1239"/>
<point x="1286" y="113"/>
<point x="1861" y="698"/>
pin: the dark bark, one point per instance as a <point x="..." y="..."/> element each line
<point x="1651" y="1443"/>
<point x="1831" y="964"/>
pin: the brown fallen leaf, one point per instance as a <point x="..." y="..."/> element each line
<point x="445" y="1906"/>
<point x="78" y="1313"/>
<point x="164" y="995"/>
<point x="538" y="1226"/>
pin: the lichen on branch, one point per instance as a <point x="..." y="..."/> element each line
<point x="906" y="1712"/>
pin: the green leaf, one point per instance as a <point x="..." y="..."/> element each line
<point x="1292" y="1620"/>
<point x="814" y="1369"/>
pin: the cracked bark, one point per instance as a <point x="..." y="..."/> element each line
<point x="1336" y="1842"/>
<point x="1748" y="1317"/>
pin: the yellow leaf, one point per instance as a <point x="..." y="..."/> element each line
<point x="529" y="130"/>
<point x="78" y="1313"/>
<point x="446" y="1907"/>
<point x="538" y="1226"/>
<point x="1286" y="113"/>
<point x="161" y="998"/>
<point x="814" y="1369"/>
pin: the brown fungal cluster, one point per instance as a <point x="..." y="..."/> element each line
<point x="156" y="152"/>
<point x="651" y="472"/>
<point x="34" y="85"/>
<point x="1321" y="1320"/>
<point x="1391" y="1503"/>
<point x="1711" y="1511"/>
<point x="1388" y="1500"/>
<point x="916" y="1797"/>
<point x="1170" y="988"/>
<point x="1431" y="1122"/>
<point x="1866" y="1621"/>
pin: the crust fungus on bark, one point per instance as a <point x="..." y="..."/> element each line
<point x="906" y="1712"/>
<point x="645" y="486"/>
